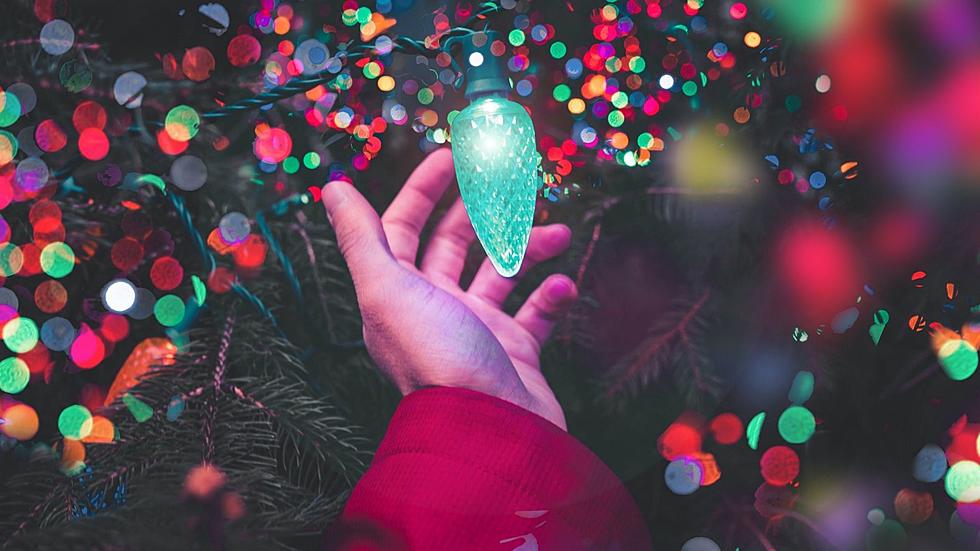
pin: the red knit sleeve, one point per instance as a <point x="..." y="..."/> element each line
<point x="459" y="469"/>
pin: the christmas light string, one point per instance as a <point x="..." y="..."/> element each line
<point x="352" y="51"/>
<point x="349" y="51"/>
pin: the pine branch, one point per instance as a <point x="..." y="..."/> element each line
<point x="290" y="453"/>
<point x="673" y="342"/>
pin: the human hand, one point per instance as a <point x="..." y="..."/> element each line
<point x="420" y="326"/>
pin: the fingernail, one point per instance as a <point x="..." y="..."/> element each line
<point x="565" y="233"/>
<point x="332" y="196"/>
<point x="560" y="289"/>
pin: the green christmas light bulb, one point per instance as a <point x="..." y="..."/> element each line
<point x="495" y="157"/>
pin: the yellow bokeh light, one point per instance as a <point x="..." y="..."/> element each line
<point x="386" y="83"/>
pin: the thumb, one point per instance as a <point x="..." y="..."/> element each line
<point x="360" y="236"/>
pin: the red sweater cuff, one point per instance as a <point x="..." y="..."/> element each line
<point x="460" y="469"/>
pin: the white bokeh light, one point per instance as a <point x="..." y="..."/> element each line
<point x="666" y="82"/>
<point x="823" y="84"/>
<point x="119" y="296"/>
<point x="476" y="59"/>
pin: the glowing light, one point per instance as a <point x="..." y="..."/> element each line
<point x="88" y="350"/>
<point x="57" y="259"/>
<point x="810" y="19"/>
<point x="476" y="59"/>
<point x="93" y="144"/>
<point x="386" y="83"/>
<point x="49" y="137"/>
<point x="114" y="328"/>
<point x="558" y="50"/>
<point x="273" y="145"/>
<point x="8" y="147"/>
<point x="138" y="408"/>
<point x="913" y="507"/>
<point x="20" y="334"/>
<point x="119" y="296"/>
<point x="200" y="290"/>
<point x="9" y="109"/>
<point x="699" y="543"/>
<point x="796" y="424"/>
<point x="50" y="297"/>
<point x="963" y="481"/>
<point x="169" y="310"/>
<point x="876" y="516"/>
<point x="57" y="334"/>
<point x="182" y="123"/>
<point x="20" y="422"/>
<point x="149" y="352"/>
<point x="11" y="259"/>
<point x="166" y="273"/>
<point x="780" y="465"/>
<point x="666" y="82"/>
<point x="244" y="50"/>
<point x="802" y="387"/>
<point x="742" y="115"/>
<point x="14" y="375"/>
<point x="75" y="422"/>
<point x="89" y="114"/>
<point x="930" y="464"/>
<point x="683" y="476"/>
<point x="198" y="63"/>
<point x="823" y="84"/>
<point x="958" y="359"/>
<point x="679" y="439"/>
<point x="103" y="431"/>
<point x="726" y="428"/>
<point x="311" y="160"/>
<point x="738" y="10"/>
<point x="754" y="429"/>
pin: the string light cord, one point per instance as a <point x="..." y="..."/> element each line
<point x="353" y="51"/>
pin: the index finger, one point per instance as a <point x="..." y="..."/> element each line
<point x="406" y="216"/>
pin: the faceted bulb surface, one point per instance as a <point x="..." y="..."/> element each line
<point x="497" y="169"/>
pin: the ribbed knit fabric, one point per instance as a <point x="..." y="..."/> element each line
<point x="459" y="469"/>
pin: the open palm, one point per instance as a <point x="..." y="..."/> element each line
<point x="420" y="326"/>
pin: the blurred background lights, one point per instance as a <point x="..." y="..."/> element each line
<point x="476" y="59"/>
<point x="75" y="422"/>
<point x="683" y="476"/>
<point x="779" y="465"/>
<point x="930" y="464"/>
<point x="796" y="424"/>
<point x="14" y="375"/>
<point x="20" y="422"/>
<point x="963" y="481"/>
<point x="823" y="84"/>
<point x="20" y="335"/>
<point x="119" y="296"/>
<point x="958" y="359"/>
<point x="700" y="544"/>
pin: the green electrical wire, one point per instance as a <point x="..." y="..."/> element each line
<point x="351" y="51"/>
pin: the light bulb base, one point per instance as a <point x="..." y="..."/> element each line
<point x="485" y="72"/>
